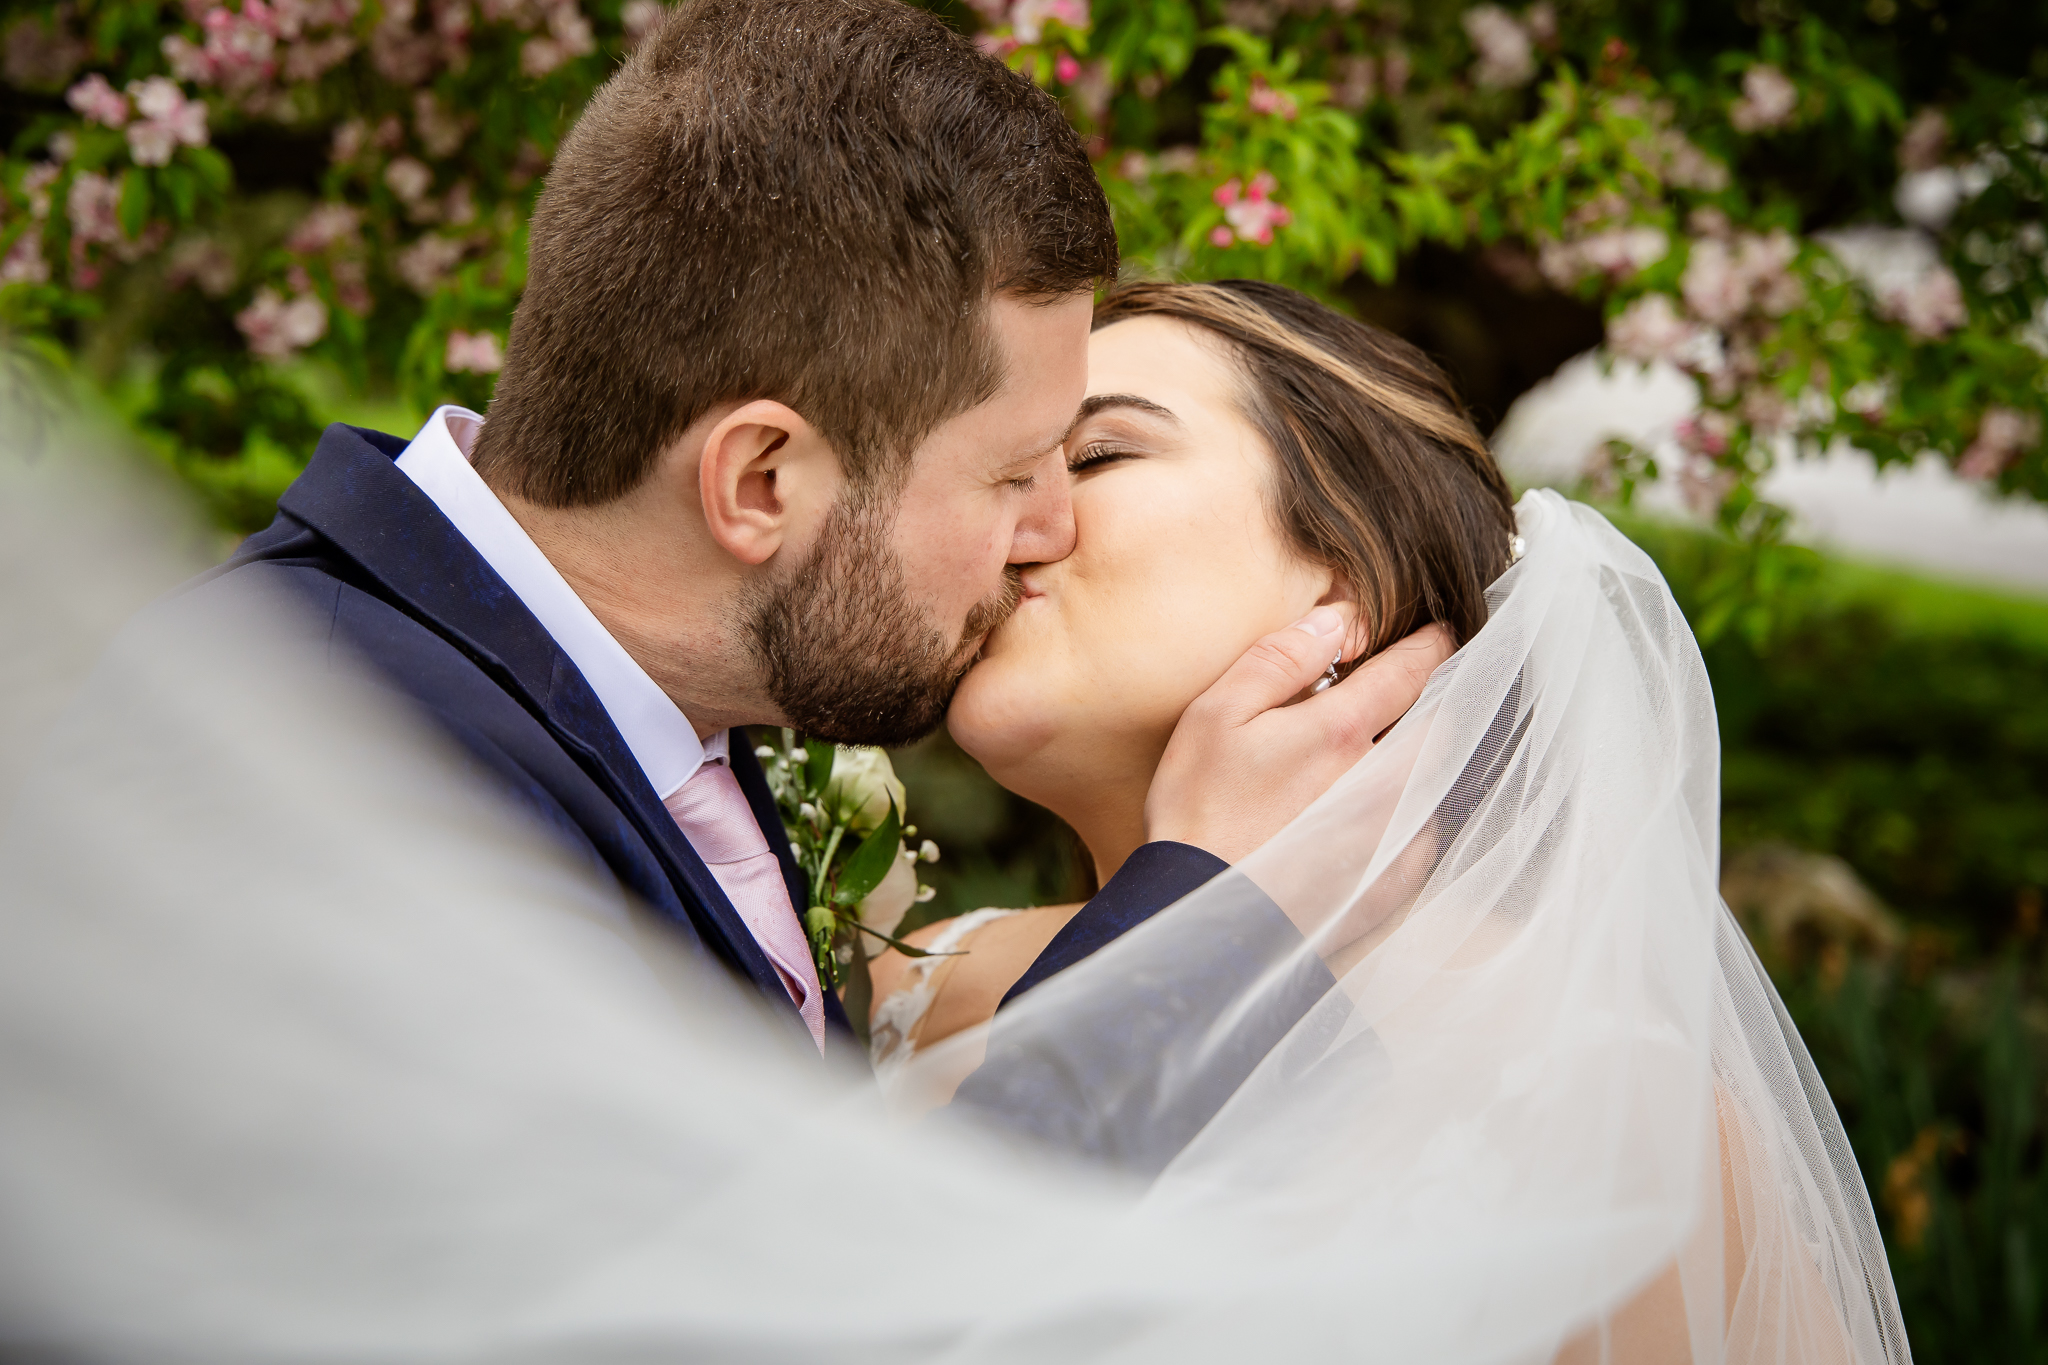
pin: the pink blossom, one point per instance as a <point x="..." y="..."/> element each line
<point x="538" y="56"/>
<point x="25" y="262"/>
<point x="453" y="23"/>
<point x="639" y="17"/>
<point x="1394" y="72"/>
<point x="308" y="61"/>
<point x="1650" y="329"/>
<point x="97" y="101"/>
<point x="1250" y="210"/>
<point x="35" y="186"/>
<point x="1506" y="57"/>
<point x="1028" y="18"/>
<point x="1768" y="100"/>
<point x="352" y="285"/>
<point x="1724" y="281"/>
<point x="277" y="328"/>
<point x="423" y="264"/>
<point x="1221" y="236"/>
<point x="94" y="207"/>
<point x="1921" y="145"/>
<point x="440" y="132"/>
<point x="460" y="205"/>
<point x="1065" y="69"/>
<point x="1264" y="99"/>
<point x="473" y="353"/>
<point x="1706" y="432"/>
<point x="1702" y="483"/>
<point x="399" y="54"/>
<point x="201" y="261"/>
<point x="2002" y="435"/>
<point x="1352" y="83"/>
<point x="325" y="226"/>
<point x="1867" y="399"/>
<point x="188" y="60"/>
<point x="240" y="48"/>
<point x="571" y="28"/>
<point x="1620" y="252"/>
<point x="1930" y="307"/>
<point x="1616" y="253"/>
<point x="168" y="118"/>
<point x="1680" y="162"/>
<point x="1766" y="411"/>
<point x="409" y="179"/>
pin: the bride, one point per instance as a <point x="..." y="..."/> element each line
<point x="1481" y="1008"/>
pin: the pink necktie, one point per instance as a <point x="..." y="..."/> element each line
<point x="713" y="814"/>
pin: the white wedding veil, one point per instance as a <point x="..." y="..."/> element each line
<point x="1503" y="1076"/>
<point x="310" y="1050"/>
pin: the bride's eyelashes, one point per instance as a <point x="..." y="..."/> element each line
<point x="1094" y="455"/>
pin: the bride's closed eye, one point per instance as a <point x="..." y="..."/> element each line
<point x="1094" y="455"/>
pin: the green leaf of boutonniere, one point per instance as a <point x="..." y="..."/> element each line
<point x="865" y="867"/>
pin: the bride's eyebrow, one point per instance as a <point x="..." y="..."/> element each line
<point x="1102" y="402"/>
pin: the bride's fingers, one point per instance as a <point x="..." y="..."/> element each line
<point x="1379" y="691"/>
<point x="1278" y="667"/>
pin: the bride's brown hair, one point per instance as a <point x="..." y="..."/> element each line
<point x="1382" y="476"/>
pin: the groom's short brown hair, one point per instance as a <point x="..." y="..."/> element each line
<point x="805" y="200"/>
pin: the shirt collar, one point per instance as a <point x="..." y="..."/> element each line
<point x="653" y="726"/>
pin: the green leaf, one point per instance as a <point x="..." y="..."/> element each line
<point x="134" y="209"/>
<point x="214" y="170"/>
<point x="904" y="948"/>
<point x="182" y="188"/>
<point x="865" y="867"/>
<point x="818" y="757"/>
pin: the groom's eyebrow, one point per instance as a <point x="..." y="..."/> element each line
<point x="1102" y="402"/>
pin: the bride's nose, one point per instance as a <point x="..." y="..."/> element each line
<point x="1045" y="529"/>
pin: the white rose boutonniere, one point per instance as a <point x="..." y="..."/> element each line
<point x="843" y="809"/>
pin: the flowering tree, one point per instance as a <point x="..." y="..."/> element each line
<point x="1832" y="222"/>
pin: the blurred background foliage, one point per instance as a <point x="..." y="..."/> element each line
<point x="232" y="221"/>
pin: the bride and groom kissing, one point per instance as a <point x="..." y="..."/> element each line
<point x="795" y="423"/>
<point x="809" y="418"/>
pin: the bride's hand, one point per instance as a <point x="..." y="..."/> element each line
<point x="1242" y="762"/>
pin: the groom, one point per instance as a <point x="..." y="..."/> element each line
<point x="780" y="419"/>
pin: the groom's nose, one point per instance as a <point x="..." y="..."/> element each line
<point x="1045" y="529"/>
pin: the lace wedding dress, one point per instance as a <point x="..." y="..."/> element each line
<point x="892" y="1041"/>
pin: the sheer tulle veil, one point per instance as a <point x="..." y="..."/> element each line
<point x="1527" y="1086"/>
<point x="312" y="1049"/>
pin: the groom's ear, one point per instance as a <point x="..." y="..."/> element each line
<point x="767" y="479"/>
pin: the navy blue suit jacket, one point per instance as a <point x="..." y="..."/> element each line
<point x="391" y="579"/>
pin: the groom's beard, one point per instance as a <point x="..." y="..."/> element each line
<point x="849" y="656"/>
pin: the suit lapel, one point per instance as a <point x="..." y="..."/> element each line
<point x="354" y="495"/>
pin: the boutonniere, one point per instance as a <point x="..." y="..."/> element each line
<point x="843" y="809"/>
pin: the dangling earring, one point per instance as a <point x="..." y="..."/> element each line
<point x="1329" y="676"/>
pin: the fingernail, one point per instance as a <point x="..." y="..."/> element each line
<point x="1320" y="622"/>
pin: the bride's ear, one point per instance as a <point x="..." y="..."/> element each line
<point x="1341" y="596"/>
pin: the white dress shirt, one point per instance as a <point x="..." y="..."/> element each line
<point x="661" y="737"/>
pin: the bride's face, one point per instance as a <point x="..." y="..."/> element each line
<point x="1178" y="566"/>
